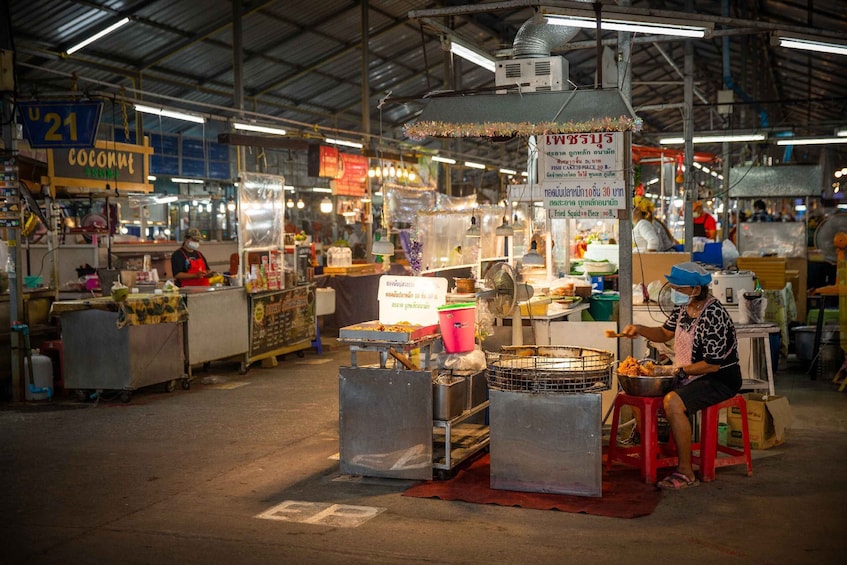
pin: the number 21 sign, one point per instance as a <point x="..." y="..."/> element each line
<point x="53" y="125"/>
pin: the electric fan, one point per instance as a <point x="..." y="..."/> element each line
<point x="504" y="294"/>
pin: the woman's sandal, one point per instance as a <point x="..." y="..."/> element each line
<point x="677" y="481"/>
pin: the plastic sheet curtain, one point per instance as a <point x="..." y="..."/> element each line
<point x="445" y="243"/>
<point x="261" y="199"/>
<point x="404" y="203"/>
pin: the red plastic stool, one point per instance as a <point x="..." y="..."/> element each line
<point x="649" y="455"/>
<point x="705" y="454"/>
<point x="53" y="349"/>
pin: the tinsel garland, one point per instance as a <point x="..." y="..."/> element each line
<point x="421" y="130"/>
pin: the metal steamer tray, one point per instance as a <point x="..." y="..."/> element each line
<point x="549" y="369"/>
<point x="386" y="333"/>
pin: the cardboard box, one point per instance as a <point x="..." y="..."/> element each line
<point x="768" y="417"/>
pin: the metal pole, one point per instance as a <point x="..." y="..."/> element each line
<point x="625" y="232"/>
<point x="366" y="119"/>
<point x="688" y="132"/>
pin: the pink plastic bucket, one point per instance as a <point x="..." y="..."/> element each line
<point x="457" y="326"/>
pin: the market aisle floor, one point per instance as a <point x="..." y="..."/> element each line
<point x="182" y="477"/>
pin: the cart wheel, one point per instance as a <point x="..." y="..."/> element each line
<point x="301" y="354"/>
<point x="126" y="396"/>
<point x="186" y="384"/>
<point x="243" y="369"/>
<point x="170" y="386"/>
<point x="443" y="474"/>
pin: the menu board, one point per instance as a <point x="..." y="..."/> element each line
<point x="281" y="318"/>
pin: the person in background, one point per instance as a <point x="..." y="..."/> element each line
<point x="705" y="366"/>
<point x="643" y="235"/>
<point x="760" y="212"/>
<point x="705" y="224"/>
<point x="188" y="265"/>
<point x="355" y="239"/>
<point x="666" y="239"/>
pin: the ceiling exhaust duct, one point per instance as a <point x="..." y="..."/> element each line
<point x="537" y="38"/>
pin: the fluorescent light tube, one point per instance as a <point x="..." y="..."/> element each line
<point x="167" y="199"/>
<point x="447" y="160"/>
<point x="476" y="57"/>
<point x="473" y="165"/>
<point x="170" y="113"/>
<point x="97" y="36"/>
<point x="344" y="142"/>
<point x="508" y="171"/>
<point x="260" y="129"/>
<point x="608" y="24"/>
<point x="187" y="181"/>
<point x="842" y="131"/>
<point x="714" y="138"/>
<point x="812" y="141"/>
<point x="324" y="190"/>
<point x="809" y="45"/>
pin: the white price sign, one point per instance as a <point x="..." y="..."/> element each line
<point x="581" y="174"/>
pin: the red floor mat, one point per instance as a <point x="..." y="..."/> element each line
<point x="625" y="495"/>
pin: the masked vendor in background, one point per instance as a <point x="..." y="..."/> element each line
<point x="188" y="265"/>
<point x="705" y="364"/>
<point x="705" y="224"/>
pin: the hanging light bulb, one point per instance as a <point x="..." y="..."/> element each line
<point x="289" y="203"/>
<point x="326" y="205"/>
<point x="412" y="175"/>
<point x="473" y="231"/>
<point x="300" y="204"/>
<point x="230" y="205"/>
<point x="221" y="208"/>
<point x="533" y="258"/>
<point x="371" y="172"/>
<point x="517" y="224"/>
<point x="385" y="171"/>
<point x="186" y="208"/>
<point x="504" y="229"/>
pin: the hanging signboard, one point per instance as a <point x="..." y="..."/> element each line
<point x="68" y="123"/>
<point x="108" y="166"/>
<point x="582" y="174"/>
<point x="352" y="177"/>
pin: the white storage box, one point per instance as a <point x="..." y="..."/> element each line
<point x="325" y="301"/>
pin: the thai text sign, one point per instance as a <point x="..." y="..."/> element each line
<point x="49" y="125"/>
<point x="582" y="174"/>
<point x="410" y="300"/>
<point x="122" y="166"/>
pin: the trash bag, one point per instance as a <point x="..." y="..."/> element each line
<point x="729" y="254"/>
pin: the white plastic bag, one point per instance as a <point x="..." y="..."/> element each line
<point x="729" y="253"/>
<point x="752" y="308"/>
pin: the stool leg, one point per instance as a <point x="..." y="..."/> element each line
<point x="708" y="442"/>
<point x="649" y="444"/>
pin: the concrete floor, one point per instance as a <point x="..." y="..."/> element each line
<point x="181" y="477"/>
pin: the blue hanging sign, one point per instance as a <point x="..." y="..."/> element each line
<point x="62" y="124"/>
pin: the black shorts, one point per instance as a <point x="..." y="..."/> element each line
<point x="710" y="389"/>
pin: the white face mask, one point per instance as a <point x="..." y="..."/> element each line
<point x="193" y="245"/>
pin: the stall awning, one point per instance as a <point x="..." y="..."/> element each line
<point x="532" y="113"/>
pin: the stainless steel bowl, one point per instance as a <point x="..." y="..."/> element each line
<point x="645" y="386"/>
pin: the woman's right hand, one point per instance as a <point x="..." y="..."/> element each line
<point x="630" y="331"/>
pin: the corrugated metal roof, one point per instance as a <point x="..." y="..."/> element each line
<point x="302" y="60"/>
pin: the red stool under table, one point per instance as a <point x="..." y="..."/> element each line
<point x="706" y="453"/>
<point x="649" y="455"/>
<point x="53" y="349"/>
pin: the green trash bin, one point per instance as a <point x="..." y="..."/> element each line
<point x="603" y="307"/>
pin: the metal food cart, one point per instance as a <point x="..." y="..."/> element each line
<point x="123" y="346"/>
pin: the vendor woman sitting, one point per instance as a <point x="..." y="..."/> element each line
<point x="188" y="265"/>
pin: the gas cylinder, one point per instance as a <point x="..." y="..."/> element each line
<point x="41" y="385"/>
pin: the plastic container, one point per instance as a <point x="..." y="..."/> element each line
<point x="42" y="377"/>
<point x="457" y="323"/>
<point x="604" y="307"/>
